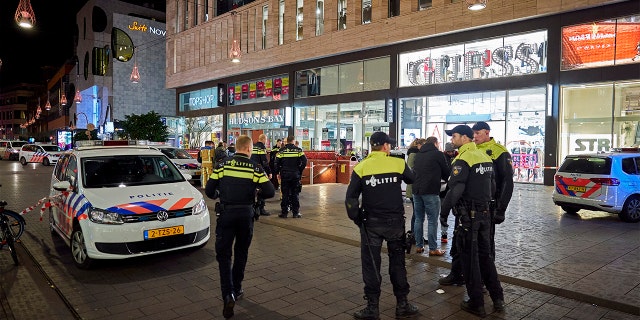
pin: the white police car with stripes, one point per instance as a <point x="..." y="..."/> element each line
<point x="123" y="201"/>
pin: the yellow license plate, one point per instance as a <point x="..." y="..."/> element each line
<point x="163" y="232"/>
<point x="577" y="188"/>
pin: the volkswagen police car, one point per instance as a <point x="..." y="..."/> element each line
<point x="182" y="159"/>
<point x="47" y="154"/>
<point x="116" y="202"/>
<point x="603" y="182"/>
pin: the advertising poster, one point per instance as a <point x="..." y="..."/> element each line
<point x="325" y="133"/>
<point x="245" y="91"/>
<point x="268" y="88"/>
<point x="232" y="95"/>
<point x="252" y="90"/>
<point x="285" y="85"/>
<point x="260" y="89"/>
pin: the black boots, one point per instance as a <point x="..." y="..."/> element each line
<point x="477" y="310"/>
<point x="371" y="311"/>
<point x="229" y="303"/>
<point x="451" y="280"/>
<point x="404" y="309"/>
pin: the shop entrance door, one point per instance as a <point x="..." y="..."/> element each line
<point x="272" y="135"/>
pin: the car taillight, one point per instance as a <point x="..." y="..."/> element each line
<point x="606" y="181"/>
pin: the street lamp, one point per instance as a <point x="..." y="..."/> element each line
<point x="90" y="126"/>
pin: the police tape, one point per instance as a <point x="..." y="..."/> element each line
<point x="43" y="203"/>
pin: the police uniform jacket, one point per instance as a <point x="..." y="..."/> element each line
<point x="236" y="179"/>
<point x="503" y="172"/>
<point x="259" y="155"/>
<point x="290" y="162"/>
<point x="272" y="157"/>
<point x="429" y="167"/>
<point x="379" y="179"/>
<point x="471" y="180"/>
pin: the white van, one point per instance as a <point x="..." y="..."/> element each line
<point x="9" y="149"/>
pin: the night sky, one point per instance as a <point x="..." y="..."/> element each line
<point x="26" y="53"/>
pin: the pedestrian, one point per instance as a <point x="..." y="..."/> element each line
<point x="430" y="168"/>
<point x="272" y="163"/>
<point x="205" y="156"/>
<point x="502" y="173"/>
<point x="414" y="148"/>
<point x="231" y="149"/>
<point x="220" y="153"/>
<point x="470" y="190"/>
<point x="259" y="155"/>
<point x="235" y="181"/>
<point x="449" y="153"/>
<point x="378" y="179"/>
<point x="290" y="163"/>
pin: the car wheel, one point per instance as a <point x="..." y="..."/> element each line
<point x="570" y="210"/>
<point x="631" y="210"/>
<point x="23" y="161"/>
<point x="45" y="162"/>
<point x="79" y="249"/>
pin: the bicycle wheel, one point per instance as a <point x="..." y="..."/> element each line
<point x="12" y="247"/>
<point x="16" y="223"/>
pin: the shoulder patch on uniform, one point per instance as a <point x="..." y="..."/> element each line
<point x="456" y="170"/>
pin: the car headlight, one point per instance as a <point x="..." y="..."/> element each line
<point x="200" y="208"/>
<point x="106" y="217"/>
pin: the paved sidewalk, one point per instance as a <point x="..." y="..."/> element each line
<point x="553" y="266"/>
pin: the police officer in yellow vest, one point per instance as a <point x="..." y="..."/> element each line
<point x="259" y="155"/>
<point x="503" y="174"/>
<point x="471" y="187"/>
<point x="206" y="155"/>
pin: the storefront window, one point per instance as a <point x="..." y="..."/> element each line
<point x="351" y="77"/>
<point x="627" y="115"/>
<point x="199" y="99"/>
<point x="197" y="130"/>
<point x="377" y="74"/>
<point x="260" y="90"/>
<point x="270" y="122"/>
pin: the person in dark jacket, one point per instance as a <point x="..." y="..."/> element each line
<point x="430" y="168"/>
<point x="414" y="148"/>
<point x="259" y="155"/>
<point x="290" y="163"/>
<point x="272" y="163"/>
<point x="220" y="153"/>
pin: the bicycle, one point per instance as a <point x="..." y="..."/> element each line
<point x="11" y="228"/>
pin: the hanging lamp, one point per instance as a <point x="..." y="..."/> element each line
<point x="25" y="17"/>
<point x="475" y="5"/>
<point x="235" y="53"/>
<point x="135" y="75"/>
<point x="47" y="106"/>
<point x="63" y="98"/>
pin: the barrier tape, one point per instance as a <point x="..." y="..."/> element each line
<point x="44" y="203"/>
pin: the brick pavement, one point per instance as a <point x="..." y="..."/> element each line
<point x="553" y="266"/>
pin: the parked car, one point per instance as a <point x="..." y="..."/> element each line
<point x="9" y="149"/>
<point x="183" y="160"/>
<point x="124" y="201"/>
<point x="47" y="154"/>
<point x="603" y="182"/>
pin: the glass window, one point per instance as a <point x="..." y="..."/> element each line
<point x="424" y="4"/>
<point x="377" y="73"/>
<point x="299" y="19"/>
<point x="342" y="14"/>
<point x="366" y="11"/>
<point x="281" y="23"/>
<point x="319" y="18"/>
<point x="627" y="115"/>
<point x="123" y="45"/>
<point x="394" y="8"/>
<point x="265" y="17"/>
<point x="329" y="76"/>
<point x="195" y="12"/>
<point x="206" y="10"/>
<point x="100" y="61"/>
<point x="586" y="119"/>
<point x="629" y="166"/>
<point x="185" y="5"/>
<point x="259" y="90"/>
<point x="351" y="77"/>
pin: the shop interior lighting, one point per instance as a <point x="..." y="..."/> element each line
<point x="475" y="5"/>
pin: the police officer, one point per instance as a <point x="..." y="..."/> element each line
<point x="470" y="189"/>
<point x="206" y="158"/>
<point x="502" y="173"/>
<point x="259" y="155"/>
<point x="272" y="163"/>
<point x="378" y="178"/>
<point x="290" y="163"/>
<point x="234" y="181"/>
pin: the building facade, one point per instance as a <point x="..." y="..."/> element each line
<point x="551" y="78"/>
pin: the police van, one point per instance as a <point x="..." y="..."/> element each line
<point x="602" y="182"/>
<point x="123" y="199"/>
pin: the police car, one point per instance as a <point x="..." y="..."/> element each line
<point x="183" y="160"/>
<point x="603" y="182"/>
<point x="116" y="202"/>
<point x="47" y="154"/>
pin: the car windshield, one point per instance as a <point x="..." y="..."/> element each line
<point x="172" y="153"/>
<point x="588" y="165"/>
<point x="51" y="148"/>
<point x="129" y="170"/>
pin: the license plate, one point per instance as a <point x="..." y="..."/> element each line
<point x="577" y="188"/>
<point x="163" y="232"/>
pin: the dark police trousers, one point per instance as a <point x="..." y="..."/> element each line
<point x="391" y="230"/>
<point x="474" y="248"/>
<point x="290" y="194"/>
<point x="235" y="223"/>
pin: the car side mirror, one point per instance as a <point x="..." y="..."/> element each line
<point x="62" y="186"/>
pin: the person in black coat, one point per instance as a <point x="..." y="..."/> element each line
<point x="429" y="167"/>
